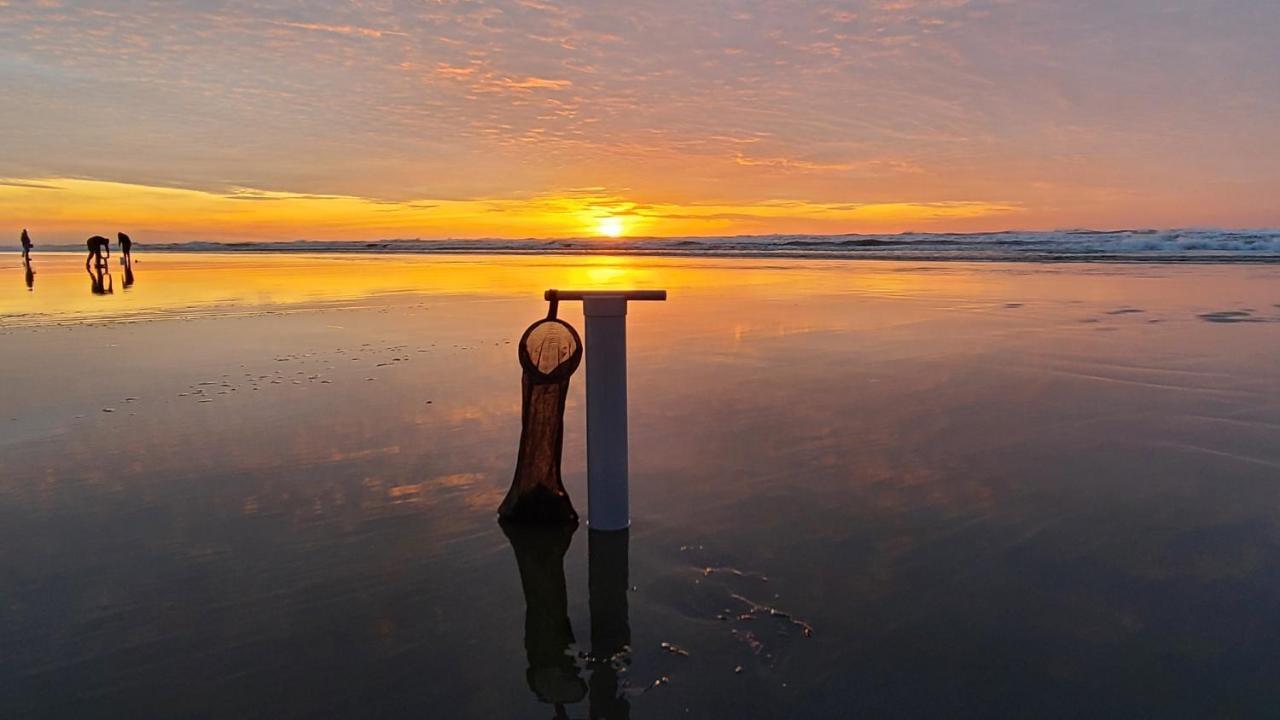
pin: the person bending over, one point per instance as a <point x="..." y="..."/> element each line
<point x="99" y="248"/>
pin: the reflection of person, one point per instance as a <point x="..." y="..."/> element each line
<point x="99" y="247"/>
<point x="26" y="246"/>
<point x="126" y="244"/>
<point x="128" y="275"/>
<point x="99" y="280"/>
<point x="553" y="676"/>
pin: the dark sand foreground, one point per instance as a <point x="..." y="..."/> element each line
<point x="264" y="486"/>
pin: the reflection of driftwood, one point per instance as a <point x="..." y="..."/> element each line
<point x="550" y="352"/>
<point x="552" y="675"/>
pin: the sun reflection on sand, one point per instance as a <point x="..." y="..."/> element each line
<point x="193" y="285"/>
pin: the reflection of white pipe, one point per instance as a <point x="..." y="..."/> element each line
<point x="606" y="351"/>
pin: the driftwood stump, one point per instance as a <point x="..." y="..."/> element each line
<point x="550" y="351"/>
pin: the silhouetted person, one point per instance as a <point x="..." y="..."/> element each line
<point x="126" y="245"/>
<point x="99" y="249"/>
<point x="553" y="676"/>
<point x="99" y="280"/>
<point x="29" y="271"/>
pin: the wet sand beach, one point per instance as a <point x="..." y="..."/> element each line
<point x="264" y="486"/>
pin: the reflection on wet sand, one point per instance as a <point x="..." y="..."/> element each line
<point x="607" y="582"/>
<point x="180" y="282"/>
<point x="100" y="282"/>
<point x="29" y="274"/>
<point x="554" y="674"/>
<point x="966" y="499"/>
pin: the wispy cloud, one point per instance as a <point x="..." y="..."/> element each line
<point x="28" y="184"/>
<point x="340" y="29"/>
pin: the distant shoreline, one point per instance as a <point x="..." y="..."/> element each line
<point x="1257" y="246"/>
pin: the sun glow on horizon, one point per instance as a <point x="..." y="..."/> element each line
<point x="65" y="210"/>
<point x="611" y="227"/>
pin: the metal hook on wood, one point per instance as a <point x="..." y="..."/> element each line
<point x="553" y="303"/>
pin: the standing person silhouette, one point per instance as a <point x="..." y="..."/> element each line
<point x="26" y="246"/>
<point x="126" y="245"/>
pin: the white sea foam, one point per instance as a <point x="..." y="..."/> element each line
<point x="1068" y="245"/>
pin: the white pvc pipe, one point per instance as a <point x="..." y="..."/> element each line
<point x="607" y="481"/>
<point x="606" y="350"/>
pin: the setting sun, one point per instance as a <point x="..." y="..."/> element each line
<point x="610" y="227"/>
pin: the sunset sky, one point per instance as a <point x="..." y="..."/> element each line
<point x="184" y="119"/>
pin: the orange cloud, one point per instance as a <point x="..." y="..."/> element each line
<point x="71" y="209"/>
